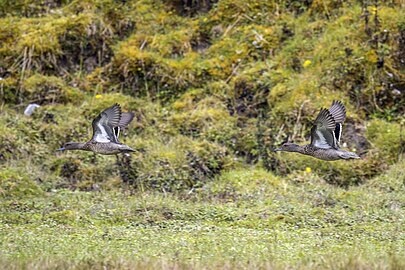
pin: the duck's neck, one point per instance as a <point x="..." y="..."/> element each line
<point x="299" y="148"/>
<point x="76" y="146"/>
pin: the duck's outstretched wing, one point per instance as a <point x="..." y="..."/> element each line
<point x="322" y="132"/>
<point x="126" y="118"/>
<point x="338" y="112"/>
<point x="104" y="124"/>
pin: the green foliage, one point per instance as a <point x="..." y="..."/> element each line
<point x="233" y="220"/>
<point x="28" y="7"/>
<point x="74" y="174"/>
<point x="214" y="86"/>
<point x="178" y="163"/>
<point x="39" y="88"/>
<point x="208" y="118"/>
<point x="242" y="183"/>
<point x="340" y="173"/>
<point x="53" y="44"/>
<point x="385" y="137"/>
<point x="392" y="181"/>
<point x="17" y="183"/>
<point x="205" y="79"/>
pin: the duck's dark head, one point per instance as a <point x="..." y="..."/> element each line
<point x="71" y="146"/>
<point x="288" y="147"/>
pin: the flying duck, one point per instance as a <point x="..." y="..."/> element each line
<point x="106" y="129"/>
<point x="325" y="136"/>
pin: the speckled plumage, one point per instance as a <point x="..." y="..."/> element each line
<point x="328" y="154"/>
<point x="325" y="136"/>
<point x="106" y="148"/>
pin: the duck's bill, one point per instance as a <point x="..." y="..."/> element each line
<point x="61" y="149"/>
<point x="278" y="149"/>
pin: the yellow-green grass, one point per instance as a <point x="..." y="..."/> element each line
<point x="246" y="218"/>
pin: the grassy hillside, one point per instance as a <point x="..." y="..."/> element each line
<point x="215" y="86"/>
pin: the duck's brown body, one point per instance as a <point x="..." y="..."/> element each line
<point x="108" y="148"/>
<point x="326" y="154"/>
<point x="101" y="148"/>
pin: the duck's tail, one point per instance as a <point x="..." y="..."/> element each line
<point x="348" y="155"/>
<point x="126" y="149"/>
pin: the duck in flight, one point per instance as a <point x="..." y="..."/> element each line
<point x="325" y="136"/>
<point x="106" y="129"/>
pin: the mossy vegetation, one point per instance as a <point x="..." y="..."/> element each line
<point x="17" y="184"/>
<point x="215" y="86"/>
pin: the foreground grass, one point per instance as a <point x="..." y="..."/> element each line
<point x="247" y="218"/>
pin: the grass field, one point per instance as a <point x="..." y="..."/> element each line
<point x="247" y="218"/>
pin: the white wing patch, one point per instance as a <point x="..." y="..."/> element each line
<point x="103" y="137"/>
<point x="117" y="132"/>
<point x="339" y="135"/>
<point x="321" y="142"/>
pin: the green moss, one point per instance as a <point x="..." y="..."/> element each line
<point x="393" y="180"/>
<point x="159" y="67"/>
<point x="178" y="163"/>
<point x="210" y="78"/>
<point x="42" y="35"/>
<point x="28" y="7"/>
<point x="385" y="136"/>
<point x="209" y="119"/>
<point x="243" y="182"/>
<point x="188" y="100"/>
<point x="341" y="173"/>
<point x="8" y="90"/>
<point x="17" y="183"/>
<point x="172" y="44"/>
<point x="209" y="91"/>
<point x="8" y="137"/>
<point x="22" y="136"/>
<point x="97" y="103"/>
<point x="390" y="17"/>
<point x="39" y="88"/>
<point x="225" y="11"/>
<point x="63" y="217"/>
<point x="52" y="44"/>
